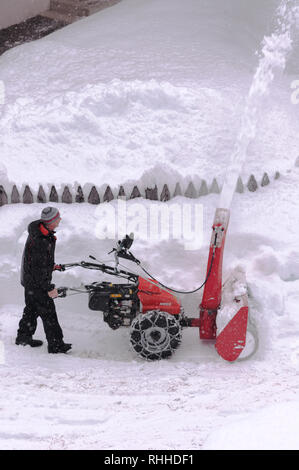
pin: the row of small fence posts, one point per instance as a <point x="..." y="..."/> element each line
<point x="148" y="193"/>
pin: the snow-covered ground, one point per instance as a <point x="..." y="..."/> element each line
<point x="77" y="110"/>
<point x="102" y="396"/>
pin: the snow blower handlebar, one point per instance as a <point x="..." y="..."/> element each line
<point x="122" y="251"/>
<point x="101" y="267"/>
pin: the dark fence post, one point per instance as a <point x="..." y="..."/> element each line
<point x="121" y="193"/>
<point x="177" y="190"/>
<point x="3" y="196"/>
<point x="79" y="196"/>
<point x="165" y="194"/>
<point x="265" y="180"/>
<point x="152" y="193"/>
<point x="27" y="196"/>
<point x="191" y="191"/>
<point x="108" y="196"/>
<point x="240" y="185"/>
<point x="135" y="193"/>
<point x="66" y="196"/>
<point x="94" y="197"/>
<point x="252" y="184"/>
<point x="203" y="190"/>
<point x="53" y="195"/>
<point x="15" y="195"/>
<point x="214" y="187"/>
<point x="41" y="196"/>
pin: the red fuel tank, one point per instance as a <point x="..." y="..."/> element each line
<point x="153" y="297"/>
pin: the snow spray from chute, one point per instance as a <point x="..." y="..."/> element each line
<point x="224" y="310"/>
<point x="274" y="52"/>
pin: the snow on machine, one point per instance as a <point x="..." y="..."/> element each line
<point x="155" y="315"/>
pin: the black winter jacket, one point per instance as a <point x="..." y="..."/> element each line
<point x="38" y="258"/>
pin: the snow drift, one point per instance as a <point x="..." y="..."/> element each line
<point x="165" y="84"/>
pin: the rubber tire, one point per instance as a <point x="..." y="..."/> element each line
<point x="155" y="335"/>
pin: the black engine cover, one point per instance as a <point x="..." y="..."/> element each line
<point x="101" y="294"/>
<point x="98" y="301"/>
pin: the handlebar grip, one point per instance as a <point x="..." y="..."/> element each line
<point x="59" y="267"/>
<point x="62" y="291"/>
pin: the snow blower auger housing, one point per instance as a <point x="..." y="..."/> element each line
<point x="155" y="315"/>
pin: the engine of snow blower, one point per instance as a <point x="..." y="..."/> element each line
<point x="118" y="302"/>
<point x="154" y="315"/>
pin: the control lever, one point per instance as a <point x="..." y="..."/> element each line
<point x="62" y="291"/>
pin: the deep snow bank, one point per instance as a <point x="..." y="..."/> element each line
<point x="142" y="83"/>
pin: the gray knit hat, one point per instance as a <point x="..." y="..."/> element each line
<point x="49" y="215"/>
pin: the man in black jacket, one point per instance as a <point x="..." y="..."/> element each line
<point x="36" y="277"/>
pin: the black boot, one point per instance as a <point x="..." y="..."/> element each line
<point x="25" y="340"/>
<point x="59" y="348"/>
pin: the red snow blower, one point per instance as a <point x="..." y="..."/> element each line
<point x="155" y="315"/>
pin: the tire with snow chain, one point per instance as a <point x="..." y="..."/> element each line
<point x="155" y="335"/>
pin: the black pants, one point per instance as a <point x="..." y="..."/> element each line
<point x="39" y="304"/>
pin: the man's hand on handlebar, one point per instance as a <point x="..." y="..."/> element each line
<point x="53" y="293"/>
